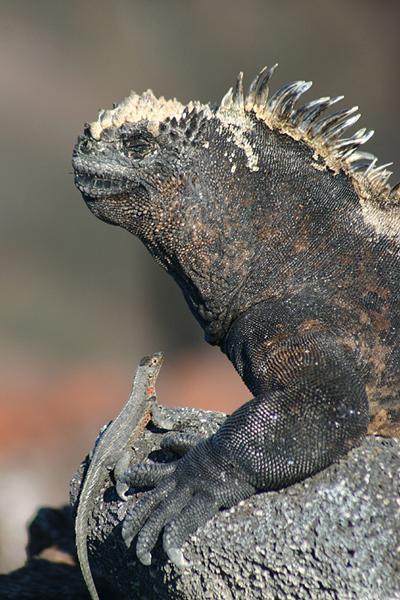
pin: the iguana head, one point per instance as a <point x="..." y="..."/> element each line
<point x="121" y="157"/>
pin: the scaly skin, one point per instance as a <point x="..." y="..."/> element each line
<point x="284" y="239"/>
<point x="110" y="451"/>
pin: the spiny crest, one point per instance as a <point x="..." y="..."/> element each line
<point x="136" y="108"/>
<point x="324" y="135"/>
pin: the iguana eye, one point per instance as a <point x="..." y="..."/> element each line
<point x="86" y="145"/>
<point x="137" y="146"/>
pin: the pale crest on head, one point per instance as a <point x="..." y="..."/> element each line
<point x="136" y="108"/>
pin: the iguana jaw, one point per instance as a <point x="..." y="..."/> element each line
<point x="110" y="197"/>
<point x="98" y="188"/>
<point x="108" y="186"/>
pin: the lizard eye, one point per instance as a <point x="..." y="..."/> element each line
<point x="137" y="146"/>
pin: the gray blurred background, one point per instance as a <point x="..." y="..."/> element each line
<point x="81" y="301"/>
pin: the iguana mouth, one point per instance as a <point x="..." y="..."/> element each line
<point x="97" y="188"/>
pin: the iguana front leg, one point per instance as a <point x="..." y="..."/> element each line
<point x="312" y="411"/>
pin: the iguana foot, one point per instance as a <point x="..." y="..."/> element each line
<point x="188" y="492"/>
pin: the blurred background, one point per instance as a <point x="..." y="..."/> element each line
<point x="81" y="301"/>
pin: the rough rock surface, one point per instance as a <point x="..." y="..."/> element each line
<point x="334" y="536"/>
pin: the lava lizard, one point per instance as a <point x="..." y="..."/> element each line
<point x="112" y="452"/>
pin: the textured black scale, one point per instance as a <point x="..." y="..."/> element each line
<point x="284" y="239"/>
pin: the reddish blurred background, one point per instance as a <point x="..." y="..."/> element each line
<point x="81" y="302"/>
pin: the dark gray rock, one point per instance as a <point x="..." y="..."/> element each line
<point x="51" y="571"/>
<point x="334" y="536"/>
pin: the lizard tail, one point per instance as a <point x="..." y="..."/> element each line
<point x="81" y="543"/>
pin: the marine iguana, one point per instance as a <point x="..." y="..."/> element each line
<point x="284" y="239"/>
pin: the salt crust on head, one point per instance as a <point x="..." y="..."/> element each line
<point x="136" y="108"/>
